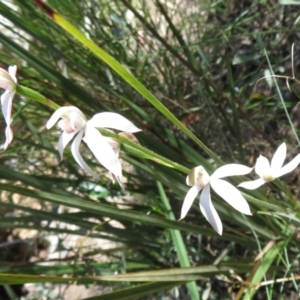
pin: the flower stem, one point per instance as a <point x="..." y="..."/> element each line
<point x="140" y="151"/>
<point x="27" y="92"/>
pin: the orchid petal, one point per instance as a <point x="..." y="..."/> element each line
<point x="292" y="165"/>
<point x="188" y="181"/>
<point x="262" y="166"/>
<point x="231" y="170"/>
<point x="12" y="71"/>
<point x="60" y="112"/>
<point x="78" y="157"/>
<point x="8" y="136"/>
<point x="209" y="211"/>
<point x="114" y="121"/>
<point x="253" y="184"/>
<point x="278" y="158"/>
<point x="7" y="82"/>
<point x="115" y="145"/>
<point x="6" y="101"/>
<point x="102" y="150"/>
<point x="120" y="182"/>
<point x="231" y="195"/>
<point x="188" y="200"/>
<point x="63" y="141"/>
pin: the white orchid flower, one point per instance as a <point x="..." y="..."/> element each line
<point x="73" y="124"/>
<point x="267" y="172"/>
<point x="8" y="82"/>
<point x="199" y="179"/>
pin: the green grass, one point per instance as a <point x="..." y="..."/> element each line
<point x="186" y="76"/>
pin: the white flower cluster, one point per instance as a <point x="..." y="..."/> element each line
<point x="200" y="180"/>
<point x="74" y="126"/>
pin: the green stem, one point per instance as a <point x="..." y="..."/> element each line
<point x="178" y="242"/>
<point x="29" y="93"/>
<point x="265" y="205"/>
<point x="143" y="152"/>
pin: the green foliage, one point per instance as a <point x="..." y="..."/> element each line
<point x="184" y="74"/>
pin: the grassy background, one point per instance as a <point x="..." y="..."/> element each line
<point x="201" y="59"/>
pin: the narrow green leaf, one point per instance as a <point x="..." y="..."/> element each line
<point x="260" y="272"/>
<point x="126" y="75"/>
<point x="118" y="214"/>
<point x="178" y="241"/>
<point x="136" y="292"/>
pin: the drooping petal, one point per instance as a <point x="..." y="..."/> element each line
<point x="7" y="82"/>
<point x="8" y="137"/>
<point x="78" y="157"/>
<point x="231" y="195"/>
<point x="102" y="150"/>
<point x="61" y="112"/>
<point x="114" y="121"/>
<point x="253" y="184"/>
<point x="12" y="71"/>
<point x="188" y="200"/>
<point x="278" y="158"/>
<point x="120" y="182"/>
<point x="231" y="170"/>
<point x="63" y="141"/>
<point x="209" y="211"/>
<point x="115" y="145"/>
<point x="6" y="101"/>
<point x="262" y="166"/>
<point x="292" y="165"/>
